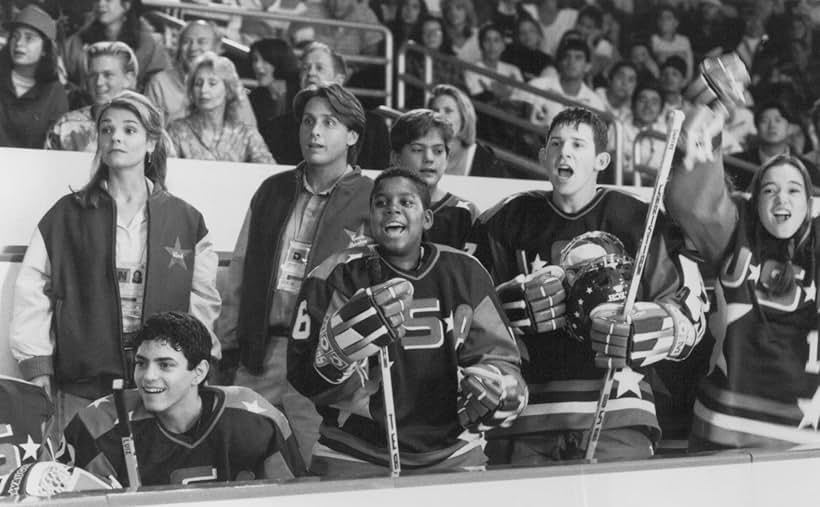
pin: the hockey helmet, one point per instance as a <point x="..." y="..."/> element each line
<point x="598" y="270"/>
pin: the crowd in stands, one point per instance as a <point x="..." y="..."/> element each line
<point x="107" y="83"/>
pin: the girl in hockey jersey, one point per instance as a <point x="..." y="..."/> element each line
<point x="420" y="141"/>
<point x="763" y="389"/>
<point x="455" y="366"/>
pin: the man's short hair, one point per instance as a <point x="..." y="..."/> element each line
<point x="344" y="105"/>
<point x="572" y="41"/>
<point x="620" y="65"/>
<point x="339" y="64"/>
<point x="677" y="63"/>
<point x="594" y="13"/>
<point x="487" y="27"/>
<point x="576" y="116"/>
<point x="422" y="190"/>
<point x="182" y="332"/>
<point x="648" y="84"/>
<point x="772" y="104"/>
<point x="415" y="124"/>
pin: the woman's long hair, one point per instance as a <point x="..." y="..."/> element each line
<point x="224" y="68"/>
<point x="278" y="53"/>
<point x="795" y="250"/>
<point x="129" y="33"/>
<point x="47" y="70"/>
<point x="155" y="162"/>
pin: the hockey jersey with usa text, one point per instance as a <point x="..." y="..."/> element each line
<point x="456" y="321"/>
<point x="239" y="436"/>
<point x="24" y="412"/>
<point x="560" y="372"/>
<point x="453" y="219"/>
<point x="763" y="389"/>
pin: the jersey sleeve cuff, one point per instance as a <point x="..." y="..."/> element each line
<point x="36" y="366"/>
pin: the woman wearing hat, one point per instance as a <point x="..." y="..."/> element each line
<point x="31" y="96"/>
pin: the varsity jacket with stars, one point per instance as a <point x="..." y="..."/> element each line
<point x="67" y="318"/>
<point x="456" y="322"/>
<point x="563" y="380"/>
<point x="239" y="436"/>
<point x="453" y="219"/>
<point x="763" y="387"/>
<point x="254" y="271"/>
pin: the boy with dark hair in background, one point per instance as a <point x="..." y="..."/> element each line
<point x="455" y="366"/>
<point x="420" y="142"/>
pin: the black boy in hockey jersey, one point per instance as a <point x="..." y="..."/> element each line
<point x="184" y="431"/>
<point x="455" y="368"/>
<point x="420" y="141"/>
<point x="529" y="231"/>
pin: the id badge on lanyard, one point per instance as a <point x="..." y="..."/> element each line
<point x="292" y="271"/>
<point x="131" y="279"/>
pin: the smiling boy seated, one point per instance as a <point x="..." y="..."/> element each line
<point x="455" y="365"/>
<point x="184" y="431"/>
<point x="420" y="142"/>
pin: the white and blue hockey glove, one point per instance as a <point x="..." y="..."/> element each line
<point x="373" y="318"/>
<point x="489" y="398"/>
<point x="656" y="331"/>
<point x="534" y="303"/>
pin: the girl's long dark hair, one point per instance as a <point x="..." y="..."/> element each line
<point x="797" y="250"/>
<point x="47" y="66"/>
<point x="131" y="27"/>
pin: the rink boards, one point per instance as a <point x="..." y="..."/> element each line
<point x="33" y="180"/>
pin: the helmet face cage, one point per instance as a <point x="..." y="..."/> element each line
<point x="598" y="270"/>
<point x="588" y="248"/>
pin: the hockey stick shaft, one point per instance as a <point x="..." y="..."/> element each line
<point x="129" y="450"/>
<point x="390" y="413"/>
<point x="655" y="204"/>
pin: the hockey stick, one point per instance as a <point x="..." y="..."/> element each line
<point x="676" y="122"/>
<point x="375" y="271"/>
<point x="129" y="450"/>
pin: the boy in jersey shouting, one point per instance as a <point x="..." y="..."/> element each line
<point x="564" y="370"/>
<point x="455" y="366"/>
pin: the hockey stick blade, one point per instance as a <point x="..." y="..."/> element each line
<point x="129" y="450"/>
<point x="675" y="124"/>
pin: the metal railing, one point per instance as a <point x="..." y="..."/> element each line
<point x="426" y="84"/>
<point x="387" y="60"/>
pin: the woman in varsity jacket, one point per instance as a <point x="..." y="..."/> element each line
<point x="105" y="258"/>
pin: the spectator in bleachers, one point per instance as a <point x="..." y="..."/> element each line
<point x="166" y="89"/>
<point x="573" y="64"/>
<point x="644" y="158"/>
<point x="467" y="157"/>
<point x="814" y="155"/>
<point x="485" y="88"/>
<point x="213" y="129"/>
<point x="554" y="23"/>
<point x="248" y="29"/>
<point x="320" y="64"/>
<point x="111" y="68"/>
<point x="506" y="16"/>
<point x="713" y="32"/>
<point x="277" y="71"/>
<point x="460" y="24"/>
<point x="772" y="120"/>
<point x="432" y="36"/>
<point x="603" y="53"/>
<point x="667" y="41"/>
<point x="673" y="81"/>
<point x="640" y="54"/>
<point x="525" y="51"/>
<point x="617" y="97"/>
<point x="348" y="41"/>
<point x="411" y="14"/>
<point x="117" y="20"/>
<point x="754" y="31"/>
<point x="386" y="10"/>
<point x="104" y="258"/>
<point x="31" y="96"/>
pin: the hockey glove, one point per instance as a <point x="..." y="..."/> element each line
<point x="373" y="318"/>
<point x="657" y="331"/>
<point x="535" y="303"/>
<point x="489" y="398"/>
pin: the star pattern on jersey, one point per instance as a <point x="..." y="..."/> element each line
<point x="99" y="401"/>
<point x="628" y="381"/>
<point x="354" y="256"/>
<point x="537" y="263"/>
<point x="754" y="272"/>
<point x="357" y="237"/>
<point x="463" y="204"/>
<point x="810" y="291"/>
<point x="177" y="254"/>
<point x="254" y="407"/>
<point x="30" y="448"/>
<point x="811" y="411"/>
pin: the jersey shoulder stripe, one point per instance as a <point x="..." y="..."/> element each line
<point x="507" y="203"/>
<point x="323" y="270"/>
